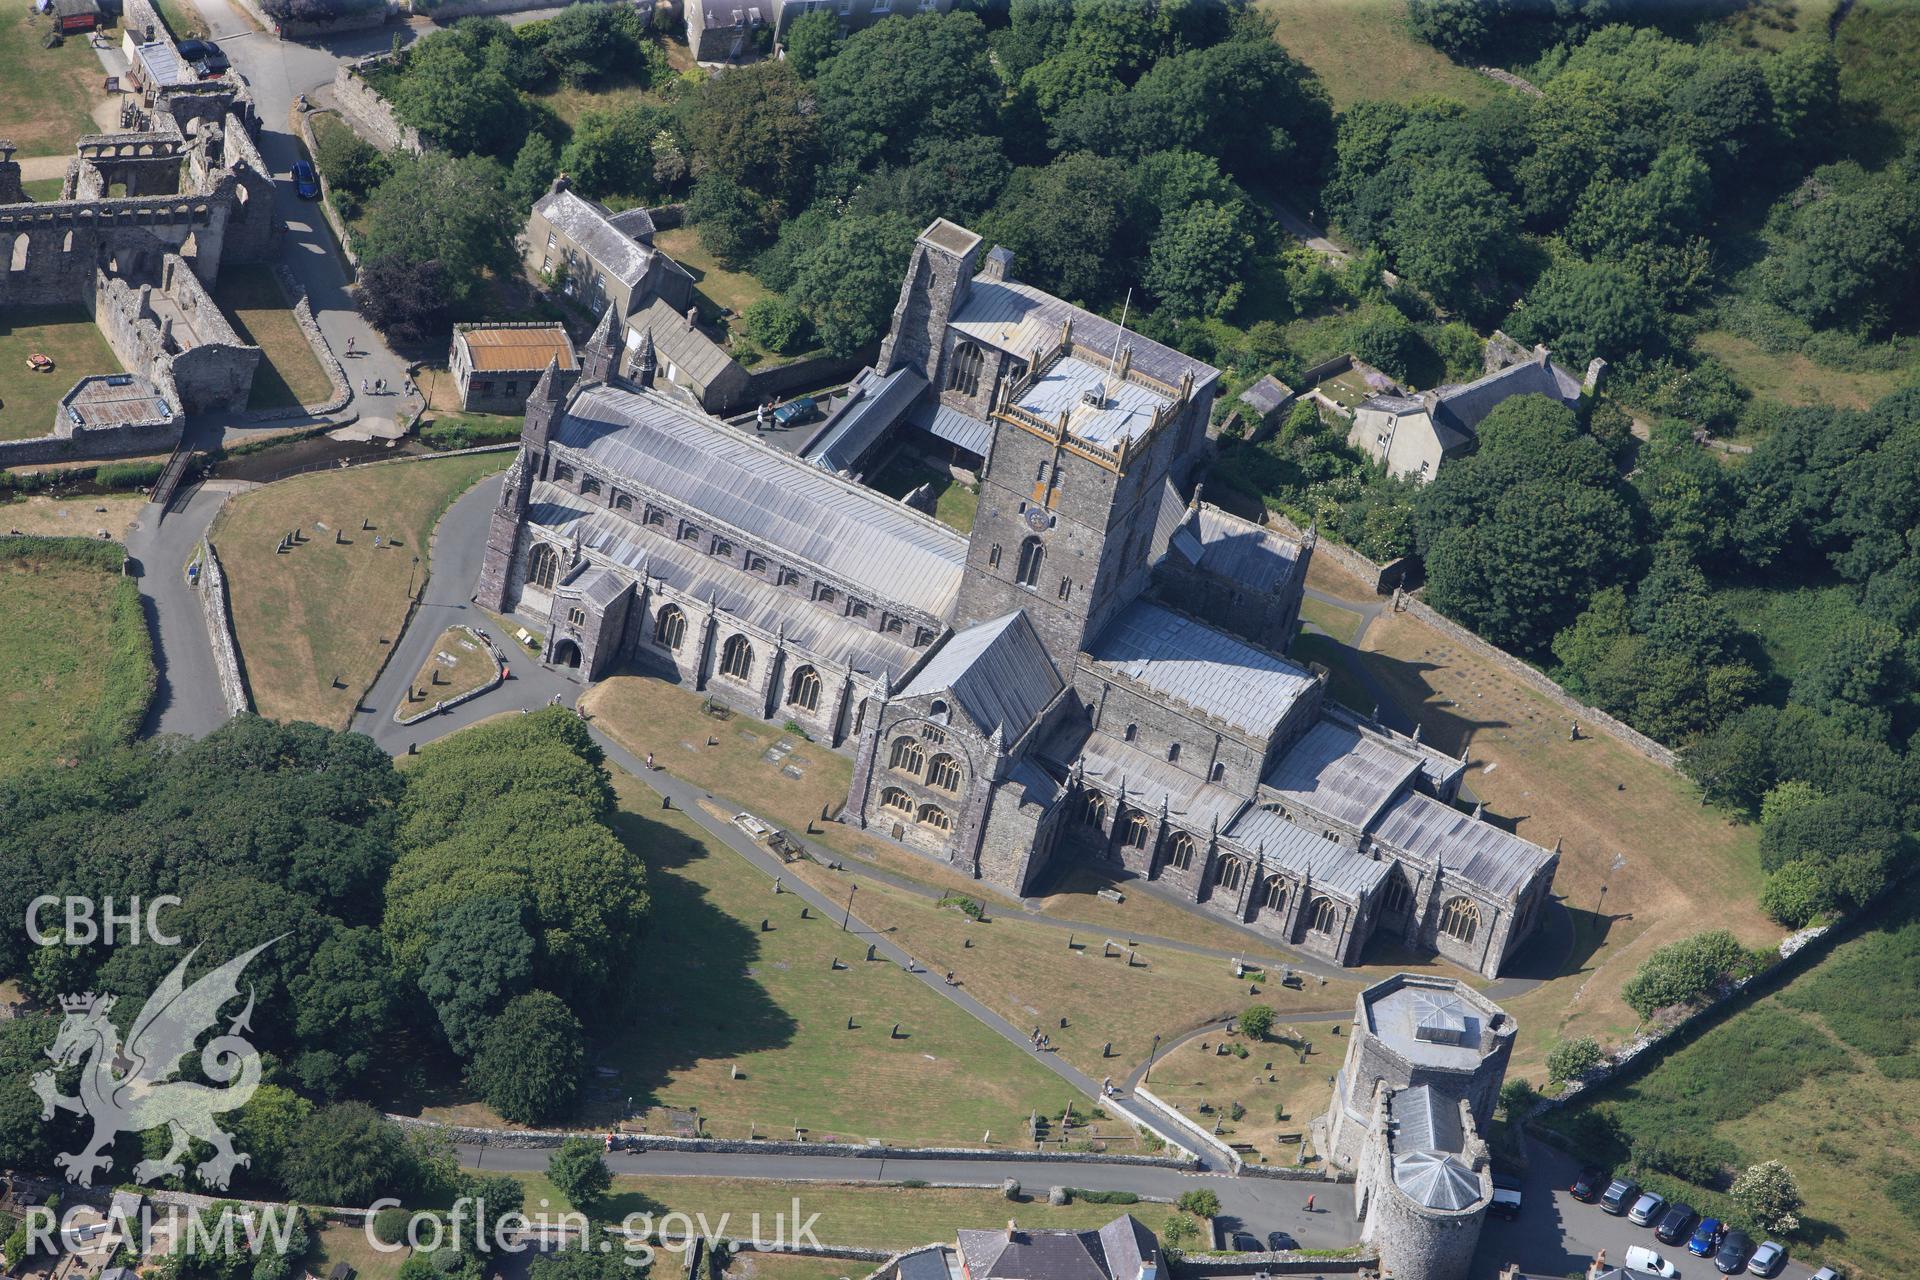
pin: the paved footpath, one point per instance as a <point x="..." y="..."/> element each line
<point x="1254" y="1205"/>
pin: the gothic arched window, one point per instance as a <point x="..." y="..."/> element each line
<point x="1182" y="854"/>
<point x="944" y="773"/>
<point x="907" y="756"/>
<point x="1275" y="896"/>
<point x="736" y="659"/>
<point x="804" y="692"/>
<point x="1231" y="872"/>
<point x="1460" y="919"/>
<point x="543" y="566"/>
<point x="1032" y="556"/>
<point x="963" y="373"/>
<point x="1323" y="916"/>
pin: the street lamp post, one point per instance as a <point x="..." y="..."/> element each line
<point x="1151" y="1053"/>
<point x="848" y="920"/>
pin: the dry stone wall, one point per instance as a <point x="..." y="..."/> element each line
<point x="368" y="111"/>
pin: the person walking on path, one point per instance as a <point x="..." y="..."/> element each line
<point x="364" y="387"/>
<point x="350" y="342"/>
<point x="1309" y="1204"/>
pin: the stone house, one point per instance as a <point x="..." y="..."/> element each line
<point x="1413" y="435"/>
<point x="685" y="356"/>
<point x="1095" y="673"/>
<point x="495" y="365"/>
<point x="601" y="259"/>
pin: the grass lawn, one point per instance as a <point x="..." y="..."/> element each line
<point x="1793" y="378"/>
<point x="182" y="18"/>
<point x="646" y="713"/>
<point x="458" y="665"/>
<point x="49" y="93"/>
<point x="728" y="995"/>
<point x="347" y="1242"/>
<point x="314" y="624"/>
<point x="67" y="333"/>
<point x="722" y="287"/>
<point x="79" y="665"/>
<point x="72" y="517"/>
<point x="570" y="102"/>
<point x="1879" y="49"/>
<point x="1364" y="49"/>
<point x="1341" y="624"/>
<point x="781" y="1266"/>
<point x="954" y="504"/>
<point x="1687" y="866"/>
<point x="1820" y="1076"/>
<point x="43" y="189"/>
<point x="853" y="1214"/>
<point x="1283" y="1076"/>
<point x="257" y="308"/>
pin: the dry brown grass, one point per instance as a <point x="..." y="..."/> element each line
<point x="1272" y="1078"/>
<point x="314" y="625"/>
<point x="459" y="664"/>
<point x="72" y="517"/>
<point x="1687" y="866"/>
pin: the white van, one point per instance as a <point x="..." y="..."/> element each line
<point x="1642" y="1259"/>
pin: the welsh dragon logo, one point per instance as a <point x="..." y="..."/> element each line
<point x="130" y="1089"/>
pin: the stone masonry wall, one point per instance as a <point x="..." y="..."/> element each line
<point x="370" y="114"/>
<point x="226" y="654"/>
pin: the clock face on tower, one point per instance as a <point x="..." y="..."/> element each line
<point x="1037" y="519"/>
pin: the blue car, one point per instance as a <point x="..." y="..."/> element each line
<point x="306" y="183"/>
<point x="1706" y="1238"/>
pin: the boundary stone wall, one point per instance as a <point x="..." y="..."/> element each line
<point x="226" y="654"/>
<point x="442" y="14"/>
<point x="541" y="1138"/>
<point x="368" y="111"/>
<point x="339" y="390"/>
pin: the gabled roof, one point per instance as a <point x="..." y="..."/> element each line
<point x="679" y="342"/>
<point x="997" y="671"/>
<point x="515" y="348"/>
<point x="1204" y="668"/>
<point x="1149" y="782"/>
<point x="591" y="227"/>
<point x="1266" y="395"/>
<point x="1462" y="407"/>
<point x="863" y="538"/>
<point x="1114" y="1252"/>
<point x="1258" y="559"/>
<point x="1287" y="845"/>
<point x="953" y="426"/>
<point x="877" y="404"/>
<point x="1340" y="773"/>
<point x="1475" y="851"/>
<point x="1018" y="318"/>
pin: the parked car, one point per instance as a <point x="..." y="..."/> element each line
<point x="1244" y="1243"/>
<point x="1506" y="1201"/>
<point x="1735" y="1249"/>
<point x="205" y="57"/>
<point x="1640" y="1258"/>
<point x="1674" y="1224"/>
<point x="1619" y="1196"/>
<point x="1278" y="1240"/>
<point x="306" y="183"/>
<point x="795" y="411"/>
<point x="1647" y="1209"/>
<point x="1827" y="1273"/>
<point x="1587" y="1186"/>
<point x="1706" y="1237"/>
<point x="1767" y="1259"/>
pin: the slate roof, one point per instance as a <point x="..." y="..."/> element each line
<point x="1341" y="773"/>
<point x="1427" y="1142"/>
<point x="1327" y="865"/>
<point x="1258" y="559"/>
<point x="860" y="422"/>
<point x="599" y="587"/>
<point x="1204" y="668"/>
<point x="516" y="348"/>
<point x="1496" y="861"/>
<point x="1151" y="782"/>
<point x="687" y="346"/>
<point x="929" y="1263"/>
<point x="1267" y="395"/>
<point x="591" y="227"/>
<point x="1426" y="1120"/>
<point x="1463" y="407"/>
<point x="1021" y="319"/>
<point x="997" y="671"/>
<point x="953" y="426"/>
<point x="635" y="222"/>
<point x="834" y="639"/>
<point x="162" y="61"/>
<point x="769" y="496"/>
<point x="1114" y="1252"/>
<point x="1436" y="1180"/>
<point x="1035" y="784"/>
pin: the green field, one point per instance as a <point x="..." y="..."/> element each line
<point x="1824" y="1076"/>
<point x="48" y="94"/>
<point x="28" y="399"/>
<point x="954" y="504"/>
<point x="79" y="669"/>
<point x="1364" y="49"/>
<point x="289" y="374"/>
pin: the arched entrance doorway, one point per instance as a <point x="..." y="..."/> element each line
<point x="567" y="654"/>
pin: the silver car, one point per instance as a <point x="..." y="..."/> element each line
<point x="1767" y="1259"/>
<point x="1647" y="1209"/>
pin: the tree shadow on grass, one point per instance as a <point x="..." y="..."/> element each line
<point x="689" y="996"/>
